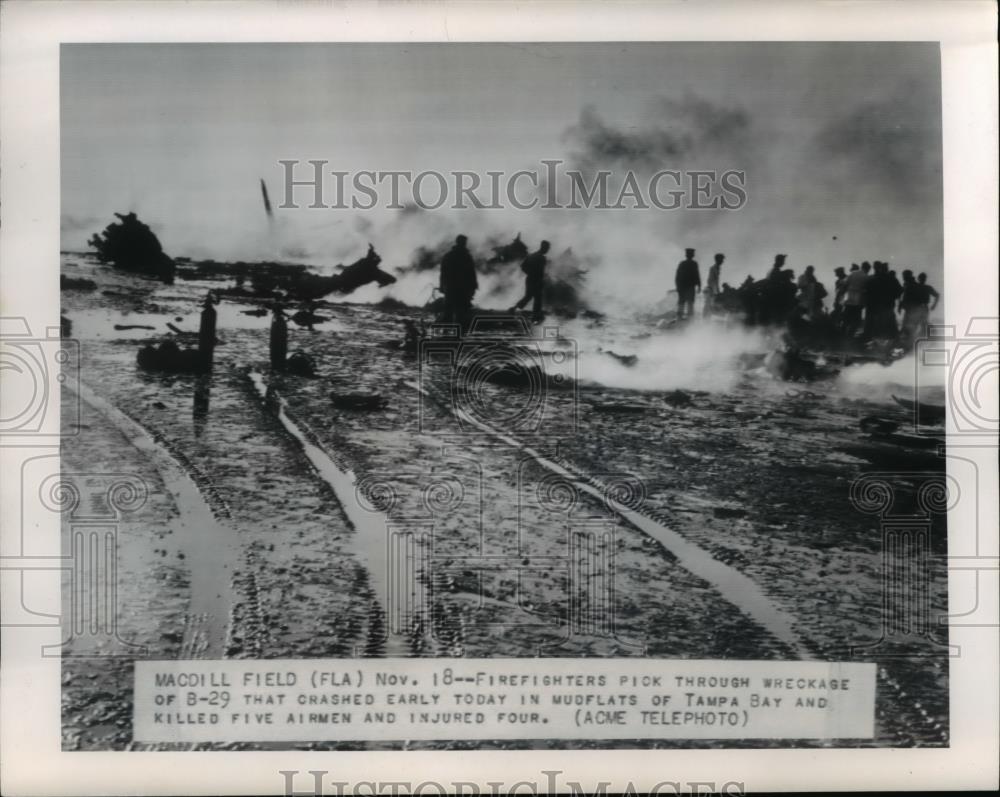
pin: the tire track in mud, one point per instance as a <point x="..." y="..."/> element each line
<point x="369" y="528"/>
<point x="210" y="545"/>
<point x="739" y="590"/>
<point x="735" y="587"/>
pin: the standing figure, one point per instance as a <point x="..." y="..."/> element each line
<point x="839" y="291"/>
<point x="206" y="332"/>
<point x="882" y="291"/>
<point x="911" y="307"/>
<point x="712" y="286"/>
<point x="279" y="339"/>
<point x="854" y="299"/>
<point x="811" y="293"/>
<point x="924" y="294"/>
<point x="768" y="291"/>
<point x="688" y="282"/>
<point x="534" y="281"/>
<point x="458" y="283"/>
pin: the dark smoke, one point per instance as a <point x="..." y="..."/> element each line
<point x="674" y="129"/>
<point x="893" y="142"/>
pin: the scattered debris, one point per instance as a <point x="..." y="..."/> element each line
<point x="124" y="327"/>
<point x="729" y="512"/>
<point x="358" y="401"/>
<point x="76" y="283"/>
<point x="170" y="357"/>
<point x="934" y="413"/>
<point x="306" y="318"/>
<point x="391" y="303"/>
<point x="359" y="273"/>
<point x="873" y="424"/>
<point x="619" y="407"/>
<point x="628" y="360"/>
<point x="131" y="245"/>
<point x="792" y="366"/>
<point x="678" y="398"/>
<point x="301" y="364"/>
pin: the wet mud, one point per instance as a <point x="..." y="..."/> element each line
<point x="280" y="524"/>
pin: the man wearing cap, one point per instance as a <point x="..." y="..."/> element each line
<point x="458" y="282"/>
<point x="688" y="282"/>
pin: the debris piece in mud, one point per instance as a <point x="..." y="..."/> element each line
<point x="391" y="303"/>
<point x="728" y="512"/>
<point x="257" y="312"/>
<point x="792" y="366"/>
<point x="875" y="425"/>
<point x="171" y="358"/>
<point x="884" y="430"/>
<point x="125" y="327"/>
<point x="306" y="318"/>
<point x="359" y="273"/>
<point x="358" y="401"/>
<point x="910" y="440"/>
<point x="628" y="360"/>
<point x="301" y="364"/>
<point x="615" y="406"/>
<point x="130" y="245"/>
<point x="931" y="413"/>
<point x="508" y="253"/>
<point x="76" y="283"/>
<point x="414" y="333"/>
<point x="678" y="398"/>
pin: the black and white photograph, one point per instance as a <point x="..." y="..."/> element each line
<point x="437" y="396"/>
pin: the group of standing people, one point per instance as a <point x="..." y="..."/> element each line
<point x="458" y="282"/>
<point x="866" y="300"/>
<point x="869" y="296"/>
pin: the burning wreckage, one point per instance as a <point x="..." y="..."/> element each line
<point x="811" y="346"/>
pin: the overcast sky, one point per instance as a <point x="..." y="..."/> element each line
<point x="836" y="139"/>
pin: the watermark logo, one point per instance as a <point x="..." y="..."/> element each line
<point x="92" y="506"/>
<point x="499" y="374"/>
<point x="317" y="782"/>
<point x="972" y="364"/>
<point x="32" y="368"/>
<point x="313" y="184"/>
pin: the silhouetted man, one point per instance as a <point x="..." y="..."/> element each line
<point x="458" y="282"/>
<point x="911" y="306"/>
<point x="811" y="293"/>
<point x="534" y="280"/>
<point x="206" y="332"/>
<point x="854" y="298"/>
<point x="279" y="338"/>
<point x="712" y="286"/>
<point x="839" y="287"/>
<point x="927" y="292"/>
<point x="881" y="293"/>
<point x="688" y="282"/>
<point x="924" y="294"/>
